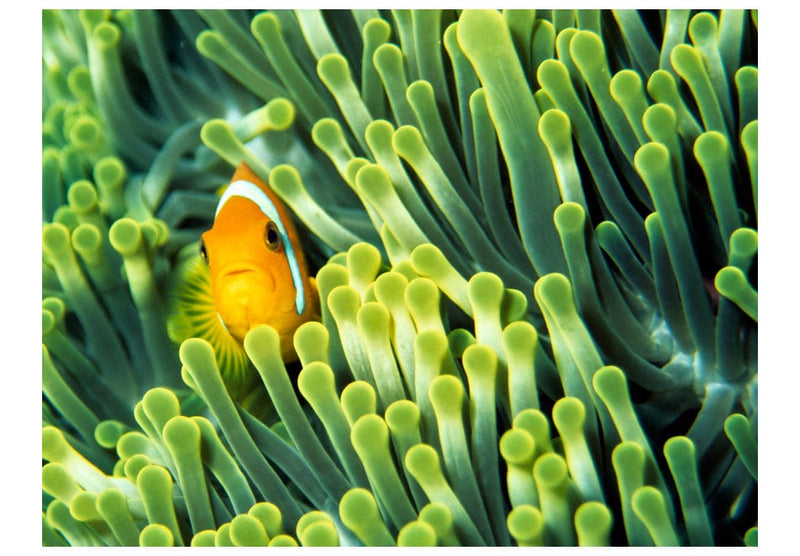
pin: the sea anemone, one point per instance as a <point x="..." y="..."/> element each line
<point x="534" y="235"/>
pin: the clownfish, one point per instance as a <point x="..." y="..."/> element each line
<point x="258" y="272"/>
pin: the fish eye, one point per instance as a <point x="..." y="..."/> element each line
<point x="272" y="236"/>
<point x="203" y="252"/>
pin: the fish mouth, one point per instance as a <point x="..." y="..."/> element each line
<point x="239" y="268"/>
<point x="249" y="272"/>
<point x="238" y="271"/>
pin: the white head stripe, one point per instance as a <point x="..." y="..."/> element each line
<point x="251" y="192"/>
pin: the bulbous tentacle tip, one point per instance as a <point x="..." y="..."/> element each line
<point x="333" y="70"/>
<point x="270" y="517"/>
<point x="419" y="91"/>
<point x="359" y="512"/>
<point x="402" y="415"/>
<point x="358" y="398"/>
<point x="648" y="504"/>
<point x="555" y="129"/>
<point x="569" y="218"/>
<point x="283" y="540"/>
<point x="108" y="432"/>
<point x="156" y="535"/>
<point x="587" y="51"/>
<point x="417" y="533"/>
<point x="740" y="432"/>
<point x="427" y="259"/>
<point x="204" y="538"/>
<point x="550" y="470"/>
<point x="553" y="75"/>
<point x="364" y="260"/>
<point x="519" y="335"/>
<point x="373" y="180"/>
<point x="86" y="133"/>
<point x="181" y="434"/>
<point x="327" y="133"/>
<point x="660" y="122"/>
<point x="702" y="28"/>
<point x="651" y="159"/>
<point x="685" y="59"/>
<point x="408" y="143"/>
<point x="112" y="506"/>
<point x="315" y="380"/>
<point x="125" y="236"/>
<point x="312" y="342"/>
<point x="378" y="30"/>
<point x="421" y="460"/>
<point x="86" y="240"/>
<point x="526" y="524"/>
<point x="261" y="338"/>
<point x="57" y="482"/>
<point x="517" y="446"/>
<point x="279" y="114"/>
<point x="160" y="405"/>
<point x="439" y="516"/>
<point x="569" y="415"/>
<point x="554" y="292"/>
<point x="731" y="282"/>
<point x="344" y="302"/>
<point x="106" y="35"/>
<point x="315" y="528"/>
<point x="609" y="380"/>
<point x="54" y="444"/>
<point x="82" y="196"/>
<point x="264" y="24"/>
<point x="750" y="136"/>
<point x="246" y="530"/>
<point x="679" y="448"/>
<point x="480" y="29"/>
<point x="711" y="150"/>
<point x="214" y="130"/>
<point x="593" y="523"/>
<point x="110" y="171"/>
<point x="368" y="432"/>
<point x="55" y="239"/>
<point x="480" y="359"/>
<point x="447" y="396"/>
<point x="374" y="321"/>
<point x="321" y="534"/>
<point x="626" y="86"/>
<point x="744" y="242"/>
<point x="196" y="351"/>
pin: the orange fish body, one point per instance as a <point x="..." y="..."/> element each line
<point x="259" y="274"/>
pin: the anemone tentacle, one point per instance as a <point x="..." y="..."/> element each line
<point x="534" y="235"/>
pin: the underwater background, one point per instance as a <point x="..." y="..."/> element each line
<point x="534" y="235"/>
